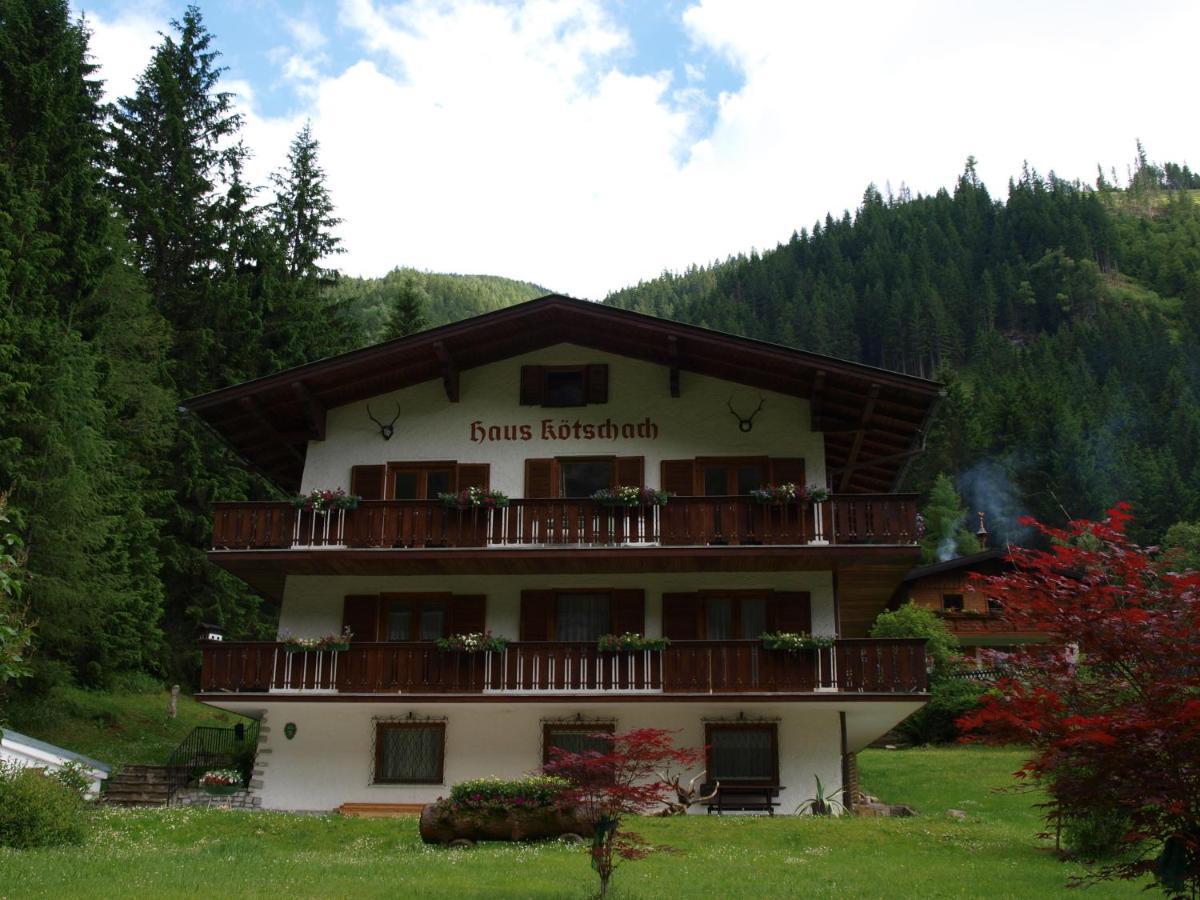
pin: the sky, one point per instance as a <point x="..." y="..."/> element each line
<point x="586" y="145"/>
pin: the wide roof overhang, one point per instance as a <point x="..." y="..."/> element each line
<point x="873" y="420"/>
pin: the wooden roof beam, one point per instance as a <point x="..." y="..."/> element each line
<point x="816" y="400"/>
<point x="449" y="371"/>
<point x="252" y="406"/>
<point x="864" y="421"/>
<point x="313" y="409"/>
<point x="673" y="357"/>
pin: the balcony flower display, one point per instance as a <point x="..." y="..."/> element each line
<point x="631" y="496"/>
<point x="474" y="498"/>
<point x="221" y="781"/>
<point x="793" y="642"/>
<point x="323" y="500"/>
<point x="789" y="492"/>
<point x="473" y="642"/>
<point x="630" y="641"/>
<point x="336" y="642"/>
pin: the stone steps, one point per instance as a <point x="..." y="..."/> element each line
<point x="139" y="786"/>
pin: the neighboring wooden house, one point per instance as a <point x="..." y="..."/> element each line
<point x="31" y="753"/>
<point x="548" y="402"/>
<point x="948" y="589"/>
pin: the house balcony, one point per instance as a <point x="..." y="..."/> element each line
<point x="524" y="671"/>
<point x="853" y="519"/>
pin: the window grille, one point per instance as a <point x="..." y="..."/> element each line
<point x="409" y="752"/>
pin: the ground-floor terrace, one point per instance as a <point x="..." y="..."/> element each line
<point x="317" y="755"/>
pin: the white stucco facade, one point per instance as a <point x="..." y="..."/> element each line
<point x="430" y="428"/>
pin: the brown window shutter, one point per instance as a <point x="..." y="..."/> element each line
<point x="474" y="475"/>
<point x="367" y="481"/>
<point x="597" y="383"/>
<point x="629" y="611"/>
<point x="360" y="613"/>
<point x="677" y="477"/>
<point x="537" y="615"/>
<point x="785" y="470"/>
<point x="468" y="614"/>
<point x="541" y="478"/>
<point x="790" y="611"/>
<point x="631" y="470"/>
<point x="681" y="617"/>
<point x="533" y="378"/>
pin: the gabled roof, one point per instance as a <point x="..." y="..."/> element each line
<point x="873" y="419"/>
<point x="18" y="741"/>
<point x="975" y="562"/>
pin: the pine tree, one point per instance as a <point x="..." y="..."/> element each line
<point x="946" y="534"/>
<point x="407" y="314"/>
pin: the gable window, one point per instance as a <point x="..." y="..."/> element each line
<point x="414" y="618"/>
<point x="582" y="617"/>
<point x="952" y="602"/>
<point x="563" y="386"/>
<point x="742" y="753"/>
<point x="409" y="752"/>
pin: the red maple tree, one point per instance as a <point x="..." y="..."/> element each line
<point x="629" y="776"/>
<point x="1111" y="702"/>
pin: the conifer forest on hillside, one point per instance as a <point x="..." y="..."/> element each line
<point x="1062" y="317"/>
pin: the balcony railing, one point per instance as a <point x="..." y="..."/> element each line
<point x="888" y="666"/>
<point x="684" y="521"/>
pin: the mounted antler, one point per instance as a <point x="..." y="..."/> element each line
<point x="386" y="430"/>
<point x="745" y="424"/>
<point x="688" y="796"/>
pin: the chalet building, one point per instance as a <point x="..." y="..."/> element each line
<point x="549" y="402"/>
<point x="950" y="590"/>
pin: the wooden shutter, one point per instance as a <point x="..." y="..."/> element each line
<point x="367" y="481"/>
<point x="597" y="384"/>
<point x="677" y="477"/>
<point x="681" y="617"/>
<point x="537" y="615"/>
<point x="360" y="613"/>
<point x="474" y="475"/>
<point x="790" y="611"/>
<point x="785" y="470"/>
<point x="629" y="611"/>
<point x="533" y="379"/>
<point x="468" y="614"/>
<point x="541" y="478"/>
<point x="630" y="470"/>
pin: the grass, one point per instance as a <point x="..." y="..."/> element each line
<point x="128" y="726"/>
<point x="190" y="852"/>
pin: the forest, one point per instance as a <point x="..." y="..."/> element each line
<point x="138" y="267"/>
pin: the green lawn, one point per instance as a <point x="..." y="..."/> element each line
<point x="118" y="727"/>
<point x="993" y="853"/>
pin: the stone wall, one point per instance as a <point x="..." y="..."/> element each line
<point x="195" y="797"/>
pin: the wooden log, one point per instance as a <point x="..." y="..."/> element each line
<point x="440" y="825"/>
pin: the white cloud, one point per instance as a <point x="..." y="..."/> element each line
<point x="122" y="47"/>
<point x="511" y="139"/>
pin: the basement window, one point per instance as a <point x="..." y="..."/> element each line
<point x="409" y="752"/>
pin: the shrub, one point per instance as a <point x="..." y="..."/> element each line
<point x="911" y="620"/>
<point x="949" y="700"/>
<point x="39" y="810"/>
<point x="1095" y="834"/>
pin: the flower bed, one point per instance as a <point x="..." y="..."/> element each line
<point x="474" y="498"/>
<point x="787" y="640"/>
<point x="631" y="496"/>
<point x="472" y="642"/>
<point x="323" y="500"/>
<point x="630" y="641"/>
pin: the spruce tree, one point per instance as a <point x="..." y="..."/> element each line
<point x="946" y="534"/>
<point x="407" y="314"/>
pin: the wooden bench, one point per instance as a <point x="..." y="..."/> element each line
<point x="380" y="810"/>
<point x="744" y="798"/>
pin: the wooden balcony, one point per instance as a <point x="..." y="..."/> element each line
<point x="533" y="670"/>
<point x="879" y="519"/>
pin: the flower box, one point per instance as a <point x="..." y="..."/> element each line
<point x="331" y="642"/>
<point x="221" y="782"/>
<point x="789" y="492"/>
<point x="324" y="500"/>
<point x="474" y="642"/>
<point x="631" y="497"/>
<point x="474" y="498"/>
<point x="795" y="642"/>
<point x="611" y="643"/>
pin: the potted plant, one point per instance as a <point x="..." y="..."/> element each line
<point x="474" y="498"/>
<point x="472" y="642"/>
<point x="222" y="782"/>
<point x="631" y="496"/>
<point x="610" y="643"/>
<point x="322" y="500"/>
<point x="794" y="642"/>
<point x="337" y="642"/>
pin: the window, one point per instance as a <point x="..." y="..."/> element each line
<point x="409" y="752"/>
<point x="582" y="617"/>
<point x="994" y="605"/>
<point x="576" y="385"/>
<point x="583" y="477"/>
<point x="574" y="737"/>
<point x="952" y="602"/>
<point x="734" y="618"/>
<point x="414" y="618"/>
<point x="743" y="754"/>
<point x="420" y="481"/>
<point x="731" y="477"/>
